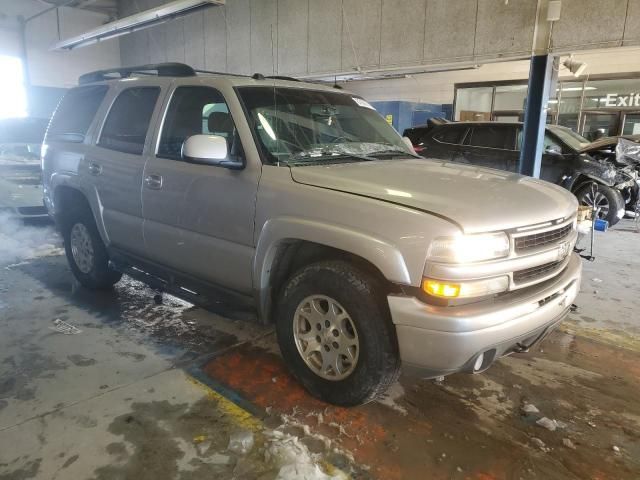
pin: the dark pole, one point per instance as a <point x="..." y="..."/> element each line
<point x="535" y="116"/>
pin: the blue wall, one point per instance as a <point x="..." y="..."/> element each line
<point x="409" y="114"/>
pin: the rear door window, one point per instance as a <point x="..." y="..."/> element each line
<point x="76" y="111"/>
<point x="125" y="129"/>
<point x="453" y="135"/>
<point x="489" y="136"/>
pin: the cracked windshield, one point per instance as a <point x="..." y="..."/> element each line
<point x="300" y="127"/>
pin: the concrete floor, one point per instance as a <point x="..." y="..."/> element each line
<point x="153" y="392"/>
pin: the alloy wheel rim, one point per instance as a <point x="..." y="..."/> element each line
<point x="598" y="201"/>
<point x="326" y="337"/>
<point x="81" y="248"/>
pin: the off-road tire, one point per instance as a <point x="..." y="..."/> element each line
<point x="362" y="296"/>
<point x="615" y="199"/>
<point x="100" y="276"/>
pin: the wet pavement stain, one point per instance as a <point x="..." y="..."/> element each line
<point x="70" y="461"/>
<point x="29" y="470"/>
<point x="161" y="436"/>
<point x="81" y="361"/>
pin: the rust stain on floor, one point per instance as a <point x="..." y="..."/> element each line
<point x="472" y="427"/>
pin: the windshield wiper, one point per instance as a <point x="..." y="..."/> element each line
<point x="395" y="153"/>
<point x="328" y="158"/>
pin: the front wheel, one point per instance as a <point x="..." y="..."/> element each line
<point x="607" y="199"/>
<point x="335" y="333"/>
<point x="86" y="253"/>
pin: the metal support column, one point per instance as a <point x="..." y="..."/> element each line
<point x="535" y="115"/>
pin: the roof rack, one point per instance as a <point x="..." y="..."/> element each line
<point x="160" y="69"/>
<point x="213" y="72"/>
<point x="259" y="76"/>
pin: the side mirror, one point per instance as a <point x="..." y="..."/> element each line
<point x="553" y="150"/>
<point x="209" y="150"/>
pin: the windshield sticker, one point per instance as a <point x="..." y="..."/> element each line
<point x="363" y="103"/>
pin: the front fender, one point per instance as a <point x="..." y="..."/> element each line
<point x="387" y="258"/>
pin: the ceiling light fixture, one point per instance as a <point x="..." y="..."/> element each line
<point x="139" y="21"/>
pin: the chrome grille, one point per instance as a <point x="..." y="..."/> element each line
<point x="533" y="273"/>
<point x="535" y="240"/>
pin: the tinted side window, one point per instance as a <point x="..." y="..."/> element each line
<point x="75" y="113"/>
<point x="492" y="137"/>
<point x="450" y="135"/>
<point x="549" y="141"/>
<point x="195" y="111"/>
<point x="125" y="129"/>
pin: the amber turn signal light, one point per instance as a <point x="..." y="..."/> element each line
<point x="441" y="289"/>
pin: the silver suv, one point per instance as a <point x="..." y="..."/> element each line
<point x="301" y="201"/>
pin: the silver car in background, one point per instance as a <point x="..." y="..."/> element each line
<point x="20" y="171"/>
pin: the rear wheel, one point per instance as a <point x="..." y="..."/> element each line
<point x="607" y="199"/>
<point x="336" y="334"/>
<point x="86" y="253"/>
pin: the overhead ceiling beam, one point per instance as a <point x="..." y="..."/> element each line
<point x="139" y="21"/>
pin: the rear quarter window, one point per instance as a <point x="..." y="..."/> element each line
<point x="73" y="117"/>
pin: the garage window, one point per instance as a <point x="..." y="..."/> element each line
<point x="128" y="122"/>
<point x="75" y="113"/>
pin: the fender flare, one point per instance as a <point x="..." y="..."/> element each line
<point x="580" y="179"/>
<point x="71" y="180"/>
<point x="380" y="253"/>
<point x="279" y="231"/>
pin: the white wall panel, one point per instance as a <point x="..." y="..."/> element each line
<point x="293" y="36"/>
<point x="449" y="29"/>
<point x="325" y="35"/>
<point x="361" y="33"/>
<point x="402" y="31"/>
<point x="264" y="36"/>
<point x="215" y="39"/>
<point x="582" y="24"/>
<point x="238" y="13"/>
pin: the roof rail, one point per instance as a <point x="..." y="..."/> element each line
<point x="160" y="69"/>
<point x="213" y="72"/>
<point x="259" y="76"/>
<point x="283" y="77"/>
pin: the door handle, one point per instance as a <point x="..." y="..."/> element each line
<point x="95" y="168"/>
<point x="153" y="182"/>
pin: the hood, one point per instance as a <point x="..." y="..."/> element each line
<point x="608" y="143"/>
<point x="477" y="199"/>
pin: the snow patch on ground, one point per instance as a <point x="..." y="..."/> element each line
<point x="390" y="397"/>
<point x="151" y="317"/>
<point x="293" y="459"/>
<point x="20" y="242"/>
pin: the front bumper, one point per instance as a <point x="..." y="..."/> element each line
<point x="436" y="340"/>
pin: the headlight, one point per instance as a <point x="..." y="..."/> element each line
<point x="469" y="248"/>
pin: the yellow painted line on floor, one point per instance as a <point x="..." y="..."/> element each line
<point x="250" y="422"/>
<point x="237" y="413"/>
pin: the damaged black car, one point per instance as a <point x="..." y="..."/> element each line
<point x="593" y="173"/>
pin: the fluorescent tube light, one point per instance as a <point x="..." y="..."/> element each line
<point x="133" y="23"/>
